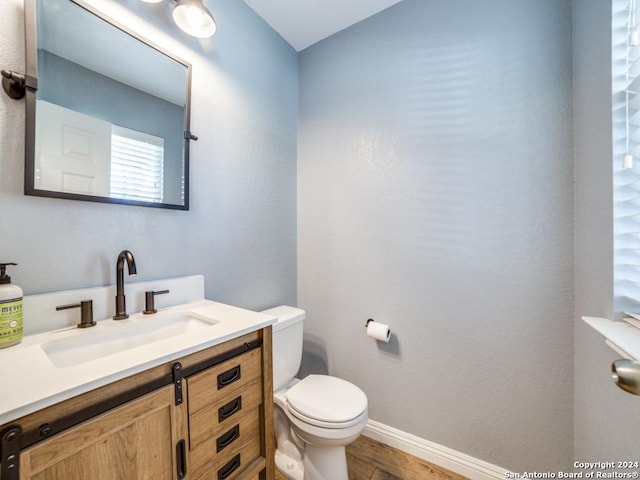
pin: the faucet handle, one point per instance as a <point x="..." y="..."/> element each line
<point x="86" y="312"/>
<point x="149" y="301"/>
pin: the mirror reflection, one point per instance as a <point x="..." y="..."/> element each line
<point x="111" y="112"/>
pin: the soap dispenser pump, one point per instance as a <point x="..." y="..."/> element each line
<point x="10" y="309"/>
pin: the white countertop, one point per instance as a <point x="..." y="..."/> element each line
<point x="32" y="381"/>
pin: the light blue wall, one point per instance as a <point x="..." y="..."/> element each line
<point x="607" y="424"/>
<point x="240" y="232"/>
<point x="435" y="170"/>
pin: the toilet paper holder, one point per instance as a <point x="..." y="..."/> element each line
<point x="378" y="331"/>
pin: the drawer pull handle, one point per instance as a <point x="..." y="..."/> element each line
<point x="228" y="377"/>
<point x="227" y="439"/>
<point x="229" y="409"/>
<point x="229" y="468"/>
<point x="182" y="461"/>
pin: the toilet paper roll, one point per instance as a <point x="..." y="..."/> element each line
<point x="379" y="331"/>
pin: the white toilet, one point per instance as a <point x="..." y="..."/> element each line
<point x="316" y="417"/>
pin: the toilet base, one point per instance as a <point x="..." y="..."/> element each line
<point x="325" y="463"/>
<point x="318" y="463"/>
<point x="292" y="469"/>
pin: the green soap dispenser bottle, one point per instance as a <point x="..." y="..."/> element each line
<point x="10" y="310"/>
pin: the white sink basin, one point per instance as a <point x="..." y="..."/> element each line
<point x="58" y="361"/>
<point x="111" y="337"/>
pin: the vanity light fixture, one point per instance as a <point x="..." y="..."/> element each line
<point x="192" y="17"/>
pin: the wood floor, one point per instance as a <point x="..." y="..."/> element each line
<point x="368" y="459"/>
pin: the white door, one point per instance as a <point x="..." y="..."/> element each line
<point x="73" y="151"/>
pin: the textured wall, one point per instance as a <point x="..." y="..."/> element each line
<point x="607" y="424"/>
<point x="435" y="194"/>
<point x="240" y="232"/>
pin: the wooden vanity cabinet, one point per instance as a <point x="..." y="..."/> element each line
<point x="212" y="420"/>
<point x="132" y="441"/>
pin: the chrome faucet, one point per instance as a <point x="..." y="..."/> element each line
<point x="121" y="306"/>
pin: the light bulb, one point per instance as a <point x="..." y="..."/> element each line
<point x="194" y="18"/>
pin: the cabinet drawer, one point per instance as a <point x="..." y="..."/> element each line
<point x="215" y="449"/>
<point x="223" y="414"/>
<point x="229" y="466"/>
<point x="223" y="380"/>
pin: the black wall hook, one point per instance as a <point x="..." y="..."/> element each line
<point x="190" y="136"/>
<point x="13" y="83"/>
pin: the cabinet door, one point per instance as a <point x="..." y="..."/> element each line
<point x="133" y="442"/>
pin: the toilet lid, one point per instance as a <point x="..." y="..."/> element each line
<point x="326" y="399"/>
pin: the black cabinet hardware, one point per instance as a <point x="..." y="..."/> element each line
<point x="177" y="382"/>
<point x="227" y="410"/>
<point x="229" y="468"/>
<point x="227" y="378"/>
<point x="10" y="444"/>
<point x="227" y="439"/>
<point x="181" y="464"/>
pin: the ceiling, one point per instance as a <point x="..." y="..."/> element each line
<point x="305" y="22"/>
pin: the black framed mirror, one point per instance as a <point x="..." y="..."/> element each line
<point x="107" y="112"/>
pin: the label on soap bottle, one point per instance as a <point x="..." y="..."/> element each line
<point x="10" y="321"/>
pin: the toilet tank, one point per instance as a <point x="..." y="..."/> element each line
<point x="287" y="343"/>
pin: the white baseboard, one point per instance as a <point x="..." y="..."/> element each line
<point x="457" y="462"/>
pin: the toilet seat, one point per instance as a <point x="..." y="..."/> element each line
<point x="327" y="402"/>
